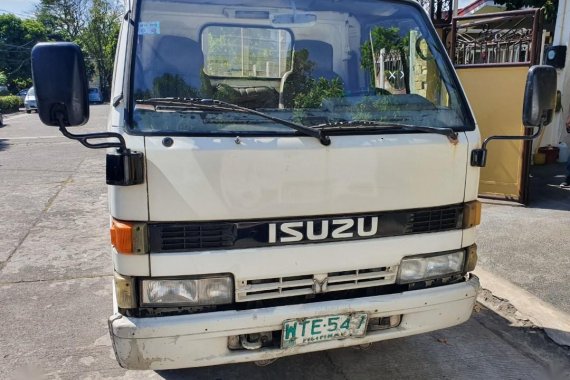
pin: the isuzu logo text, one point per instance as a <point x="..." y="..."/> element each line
<point x="347" y="228"/>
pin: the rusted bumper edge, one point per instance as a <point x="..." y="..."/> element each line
<point x="201" y="339"/>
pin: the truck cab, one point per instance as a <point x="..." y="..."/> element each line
<point x="288" y="177"/>
<point x="259" y="240"/>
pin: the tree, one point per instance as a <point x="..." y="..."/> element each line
<point x="17" y="37"/>
<point x="303" y="91"/>
<point x="65" y="19"/>
<point x="99" y="40"/>
<point x="389" y="40"/>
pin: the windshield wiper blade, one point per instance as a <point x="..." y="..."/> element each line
<point x="370" y="124"/>
<point x="219" y="105"/>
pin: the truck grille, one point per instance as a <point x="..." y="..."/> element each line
<point x="279" y="287"/>
<point x="434" y="220"/>
<point x="192" y="236"/>
<point x="195" y="236"/>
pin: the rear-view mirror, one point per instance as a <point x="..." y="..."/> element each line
<point x="60" y="82"/>
<point x="539" y="96"/>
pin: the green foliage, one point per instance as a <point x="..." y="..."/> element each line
<point x="302" y="91"/>
<point x="93" y="24"/>
<point x="9" y="104"/>
<point x="3" y="79"/>
<point x="169" y="85"/>
<point x="22" y="83"/>
<point x="388" y="39"/>
<point x="206" y="89"/>
<point x="64" y="19"/>
<point x="317" y="91"/>
<point x="99" y="40"/>
<point x="298" y="81"/>
<point x="17" y="37"/>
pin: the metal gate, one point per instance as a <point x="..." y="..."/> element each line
<point x="492" y="54"/>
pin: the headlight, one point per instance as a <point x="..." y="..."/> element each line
<point x="188" y="292"/>
<point x="425" y="268"/>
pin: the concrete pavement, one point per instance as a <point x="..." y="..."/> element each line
<point x="530" y="246"/>
<point x="55" y="289"/>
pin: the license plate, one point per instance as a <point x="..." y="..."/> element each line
<point x="299" y="332"/>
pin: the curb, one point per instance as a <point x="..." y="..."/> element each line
<point x="555" y="323"/>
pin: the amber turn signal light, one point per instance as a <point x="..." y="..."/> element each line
<point x="471" y="214"/>
<point x="122" y="236"/>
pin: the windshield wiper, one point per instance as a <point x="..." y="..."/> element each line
<point x="219" y="105"/>
<point x="370" y="124"/>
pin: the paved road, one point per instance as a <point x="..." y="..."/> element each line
<point x="55" y="289"/>
<point x="530" y="246"/>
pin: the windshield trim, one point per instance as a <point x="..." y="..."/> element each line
<point x="445" y="61"/>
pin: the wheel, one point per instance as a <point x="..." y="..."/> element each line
<point x="28" y="111"/>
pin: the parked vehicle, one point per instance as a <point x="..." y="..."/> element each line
<point x="284" y="177"/>
<point x="95" y="96"/>
<point x="1" y="120"/>
<point x="22" y="94"/>
<point x="30" y="101"/>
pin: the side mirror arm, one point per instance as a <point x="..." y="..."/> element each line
<point x="84" y="138"/>
<point x="126" y="168"/>
<point x="479" y="156"/>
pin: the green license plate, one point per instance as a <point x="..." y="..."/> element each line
<point x="299" y="332"/>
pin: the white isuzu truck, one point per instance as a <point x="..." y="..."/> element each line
<point x="285" y="176"/>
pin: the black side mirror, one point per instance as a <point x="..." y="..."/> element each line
<point x="60" y="83"/>
<point x="539" y="96"/>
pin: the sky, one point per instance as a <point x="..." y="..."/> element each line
<point x="21" y="8"/>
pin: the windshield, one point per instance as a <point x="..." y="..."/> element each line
<point x="310" y="62"/>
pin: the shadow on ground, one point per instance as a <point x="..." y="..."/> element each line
<point x="545" y="190"/>
<point x="486" y="347"/>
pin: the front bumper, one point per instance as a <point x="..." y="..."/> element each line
<point x="201" y="339"/>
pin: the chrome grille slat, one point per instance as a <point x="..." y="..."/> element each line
<point x="262" y="289"/>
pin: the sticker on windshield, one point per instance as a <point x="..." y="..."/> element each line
<point x="152" y="27"/>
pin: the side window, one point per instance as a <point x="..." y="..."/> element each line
<point x="399" y="61"/>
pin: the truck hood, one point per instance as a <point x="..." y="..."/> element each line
<point x="213" y="178"/>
